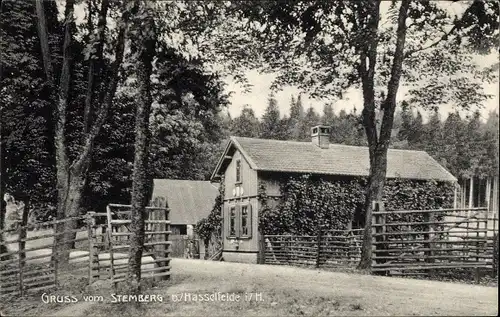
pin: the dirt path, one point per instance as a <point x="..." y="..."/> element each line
<point x="289" y="291"/>
<point x="377" y="295"/>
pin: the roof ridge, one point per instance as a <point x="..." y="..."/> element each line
<point x="309" y="142"/>
<point x="180" y="180"/>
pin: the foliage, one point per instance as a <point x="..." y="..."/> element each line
<point x="25" y="113"/>
<point x="211" y="226"/>
<point x="307" y="201"/>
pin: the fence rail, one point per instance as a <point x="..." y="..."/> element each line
<point x="404" y="242"/>
<point x="329" y="248"/>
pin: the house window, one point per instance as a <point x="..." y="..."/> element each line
<point x="232" y="222"/>
<point x="245" y="225"/>
<point x="244" y="221"/>
<point x="183" y="229"/>
<point x="238" y="171"/>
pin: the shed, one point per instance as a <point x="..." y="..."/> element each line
<point x="188" y="200"/>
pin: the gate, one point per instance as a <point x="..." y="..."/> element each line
<point x="155" y="259"/>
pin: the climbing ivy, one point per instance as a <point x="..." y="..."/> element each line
<point x="308" y="202"/>
<point x="212" y="224"/>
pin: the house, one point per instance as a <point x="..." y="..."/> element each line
<point x="189" y="201"/>
<point x="246" y="162"/>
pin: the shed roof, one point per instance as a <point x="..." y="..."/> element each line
<point x="338" y="159"/>
<point x="189" y="201"/>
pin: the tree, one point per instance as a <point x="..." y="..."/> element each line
<point x="246" y="124"/>
<point x="411" y="128"/>
<point x="328" y="116"/>
<point x="474" y="148"/>
<point x="346" y="129"/>
<point x="444" y="141"/>
<point x="72" y="170"/>
<point x="270" y="123"/>
<point x="296" y="122"/>
<point x="327" y="47"/>
<point x="144" y="47"/>
<point x="415" y="137"/>
<point x="311" y="119"/>
<point x="489" y="162"/>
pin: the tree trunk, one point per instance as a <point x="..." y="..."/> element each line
<point x="374" y="192"/>
<point x="70" y="207"/>
<point x="146" y="51"/>
<point x="379" y="144"/>
<point x="3" y="205"/>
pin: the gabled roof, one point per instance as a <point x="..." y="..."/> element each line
<point x="188" y="201"/>
<point x="346" y="160"/>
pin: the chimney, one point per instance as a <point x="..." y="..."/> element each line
<point x="320" y="136"/>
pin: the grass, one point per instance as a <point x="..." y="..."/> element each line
<point x="276" y="291"/>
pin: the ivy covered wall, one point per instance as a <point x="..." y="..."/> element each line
<point x="307" y="201"/>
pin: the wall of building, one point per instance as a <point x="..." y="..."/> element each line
<point x="248" y="185"/>
<point x="239" y="243"/>
<point x="237" y="194"/>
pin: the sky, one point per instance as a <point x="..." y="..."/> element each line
<point x="259" y="94"/>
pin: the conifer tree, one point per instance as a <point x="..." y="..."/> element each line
<point x="271" y="123"/>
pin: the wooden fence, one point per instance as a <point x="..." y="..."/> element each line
<point x="29" y="265"/>
<point x="100" y="250"/>
<point x="329" y="248"/>
<point x="405" y="242"/>
<point x="426" y="242"/>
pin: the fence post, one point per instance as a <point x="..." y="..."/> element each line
<point x="93" y="252"/>
<point x="262" y="247"/>
<point x="431" y="218"/>
<point x="376" y="205"/>
<point x="21" y="256"/>
<point x="318" y="256"/>
<point x="478" y="270"/>
<point x="110" y="241"/>
<point x="54" y="255"/>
